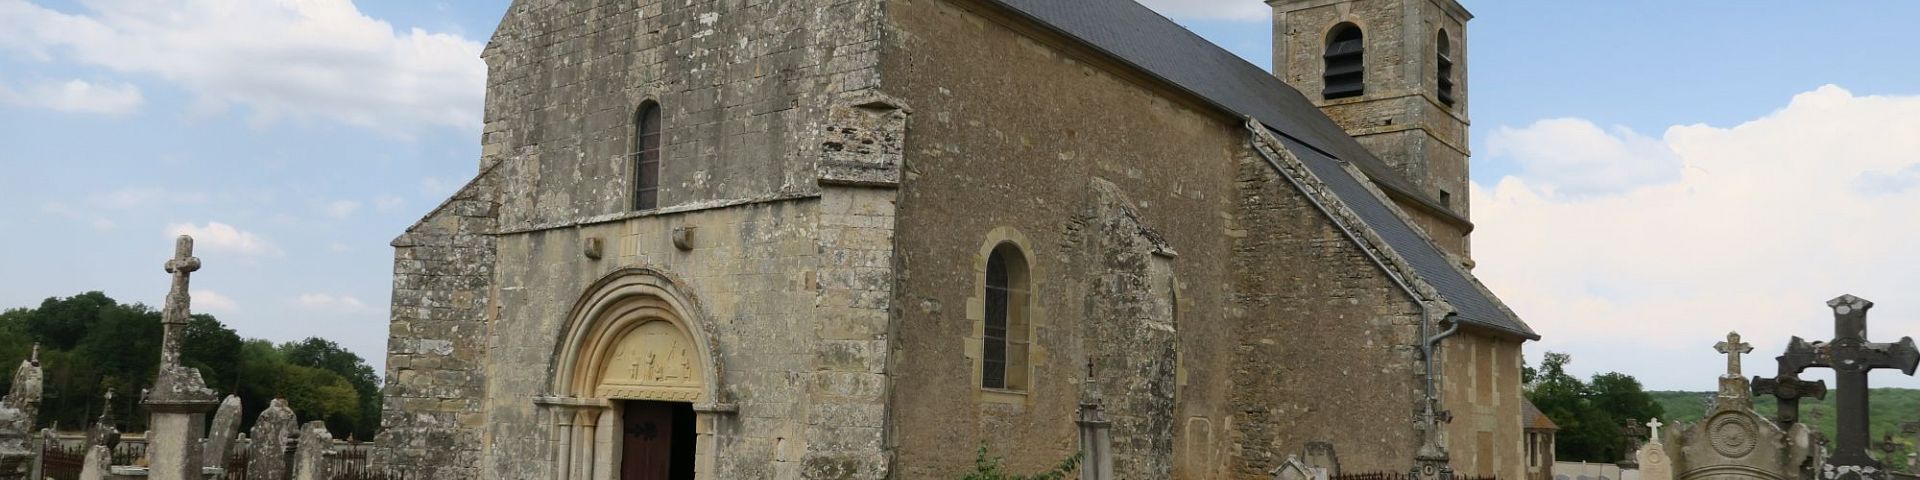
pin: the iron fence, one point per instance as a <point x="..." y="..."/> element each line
<point x="236" y="467"/>
<point x="1394" y="476"/>
<point x="127" y="453"/>
<point x="61" y="463"/>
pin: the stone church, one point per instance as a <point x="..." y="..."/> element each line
<point x="859" y="239"/>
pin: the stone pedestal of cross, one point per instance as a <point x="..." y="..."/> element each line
<point x="179" y="399"/>
<point x="1851" y="357"/>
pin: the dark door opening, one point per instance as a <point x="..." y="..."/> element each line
<point x="657" y="441"/>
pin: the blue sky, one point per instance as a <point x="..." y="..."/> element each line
<point x="296" y="143"/>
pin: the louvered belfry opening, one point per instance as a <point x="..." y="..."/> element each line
<point x="1445" y="62"/>
<point x="1346" y="72"/>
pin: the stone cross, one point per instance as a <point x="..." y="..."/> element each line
<point x="179" y="301"/>
<point x="1733" y="347"/>
<point x="1654" y="426"/>
<point x="1787" y="388"/>
<point x="1851" y="357"/>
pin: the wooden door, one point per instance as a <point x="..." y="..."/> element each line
<point x="647" y="441"/>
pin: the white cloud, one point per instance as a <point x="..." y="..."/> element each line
<point x="76" y="96"/>
<point x="341" y="208"/>
<point x="330" y="303"/>
<point x="279" y="58"/>
<point x="1241" y="10"/>
<point x="1764" y="222"/>
<point x="389" y="203"/>
<point x="213" y="302"/>
<point x="68" y="212"/>
<point x="136" y="197"/>
<point x="1575" y="157"/>
<point x="437" y="188"/>
<point x="338" y="247"/>
<point x="225" y="238"/>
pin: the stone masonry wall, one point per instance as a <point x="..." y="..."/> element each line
<point x="1480" y="384"/>
<point x="746" y="88"/>
<point x="437" y="344"/>
<point x="1325" y="345"/>
<point x="743" y="87"/>
<point x="1012" y="129"/>
<point x="748" y="272"/>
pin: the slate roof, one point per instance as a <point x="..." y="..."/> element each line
<point x="1532" y="419"/>
<point x="1135" y="35"/>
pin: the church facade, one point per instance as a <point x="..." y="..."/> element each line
<point x="862" y="238"/>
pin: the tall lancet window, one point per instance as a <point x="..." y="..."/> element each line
<point x="1346" y="72"/>
<point x="1004" y="343"/>
<point x="1445" y="85"/>
<point x="646" y="157"/>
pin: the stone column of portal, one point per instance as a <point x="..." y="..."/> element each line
<point x="603" y="442"/>
<point x="179" y="398"/>
<point x="563" y="442"/>
<point x="585" y="421"/>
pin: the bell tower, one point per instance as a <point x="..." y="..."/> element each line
<point x="1393" y="73"/>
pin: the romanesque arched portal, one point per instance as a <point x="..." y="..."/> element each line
<point x="633" y="357"/>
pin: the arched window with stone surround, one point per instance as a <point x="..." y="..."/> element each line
<point x="1444" y="61"/>
<point x="646" y="157"/>
<point x="1004" y="340"/>
<point x="1346" y="66"/>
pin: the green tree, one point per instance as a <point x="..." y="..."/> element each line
<point x="214" y="349"/>
<point x="1590" y="414"/>
<point x="91" y="343"/>
<point x="326" y="355"/>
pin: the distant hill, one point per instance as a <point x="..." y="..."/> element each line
<point x="1891" y="407"/>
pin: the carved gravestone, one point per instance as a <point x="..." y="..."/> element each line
<point x="99" y="461"/>
<point x="27" y="387"/>
<point x="267" y="460"/>
<point x="310" y="458"/>
<point x="1652" y="456"/>
<point x="15" y="454"/>
<point x="226" y="424"/>
<point x="1734" y="441"/>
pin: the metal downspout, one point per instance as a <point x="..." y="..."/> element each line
<point x="1428" y="344"/>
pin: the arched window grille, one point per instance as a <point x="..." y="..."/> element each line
<point x="646" y="157"/>
<point x="1346" y="71"/>
<point x="1004" y="342"/>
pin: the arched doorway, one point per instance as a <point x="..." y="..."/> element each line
<point x="633" y="385"/>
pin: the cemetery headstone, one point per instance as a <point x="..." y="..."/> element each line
<point x="1733" y="441"/>
<point x="1851" y="357"/>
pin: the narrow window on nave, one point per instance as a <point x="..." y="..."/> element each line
<point x="646" y="157"/>
<point x="1445" y="63"/>
<point x="1004" y="340"/>
<point x="1346" y="69"/>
